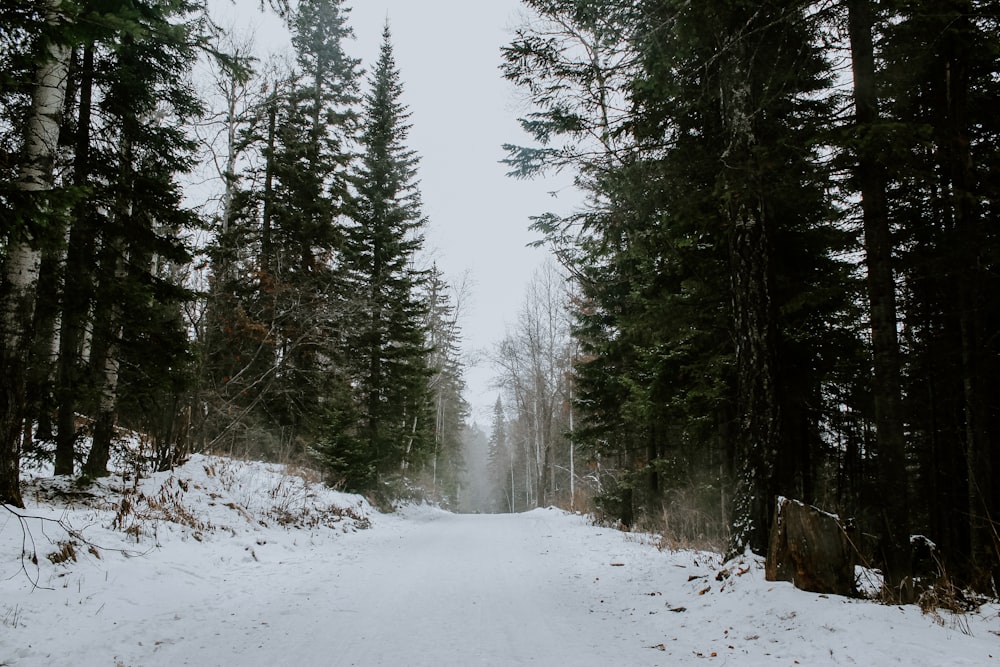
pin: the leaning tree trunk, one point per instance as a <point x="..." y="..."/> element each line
<point x="882" y="305"/>
<point x="106" y="348"/>
<point x="23" y="258"/>
<point x="105" y="361"/>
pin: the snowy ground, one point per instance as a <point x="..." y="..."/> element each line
<point x="228" y="563"/>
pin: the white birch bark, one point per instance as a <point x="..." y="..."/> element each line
<point x="23" y="257"/>
<point x="41" y="140"/>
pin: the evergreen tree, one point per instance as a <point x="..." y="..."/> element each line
<point x="304" y="214"/>
<point x="940" y="74"/>
<point x="706" y="263"/>
<point x="445" y="386"/>
<point x="387" y="338"/>
<point x="871" y="179"/>
<point x="125" y="99"/>
<point x="146" y="101"/>
<point x="500" y="460"/>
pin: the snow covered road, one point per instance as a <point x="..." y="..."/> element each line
<point x="423" y="588"/>
<point x="486" y="590"/>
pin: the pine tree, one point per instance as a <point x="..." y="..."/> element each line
<point x="940" y="72"/>
<point x="145" y="104"/>
<point x="304" y="213"/>
<point x="871" y="173"/>
<point x="387" y="336"/>
<point x="500" y="460"/>
<point x="445" y="387"/>
<point x="706" y="264"/>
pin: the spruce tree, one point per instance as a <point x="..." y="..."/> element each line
<point x="939" y="79"/>
<point x="146" y="101"/>
<point x="871" y="176"/>
<point x="707" y="264"/>
<point x="445" y="386"/>
<point x="304" y="213"/>
<point x="387" y="337"/>
<point x="500" y="460"/>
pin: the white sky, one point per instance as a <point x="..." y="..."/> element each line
<point x="448" y="53"/>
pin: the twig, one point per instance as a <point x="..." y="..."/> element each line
<point x="27" y="537"/>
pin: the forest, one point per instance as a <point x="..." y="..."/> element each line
<point x="784" y="283"/>
<point x="289" y="316"/>
<point x="781" y="283"/>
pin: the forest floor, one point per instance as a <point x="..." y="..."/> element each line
<point x="232" y="563"/>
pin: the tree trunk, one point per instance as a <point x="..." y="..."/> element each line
<point x="105" y="362"/>
<point x="970" y="240"/>
<point x="22" y="256"/>
<point x="45" y="338"/>
<point x="104" y="359"/>
<point x="572" y="447"/>
<point x="759" y="433"/>
<point x="77" y="292"/>
<point x="811" y="549"/>
<point x="268" y="207"/>
<point x="882" y="304"/>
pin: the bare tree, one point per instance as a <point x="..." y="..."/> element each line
<point x="533" y="361"/>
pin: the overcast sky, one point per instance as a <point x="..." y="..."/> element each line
<point x="448" y="53"/>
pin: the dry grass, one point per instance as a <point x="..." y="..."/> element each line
<point x="137" y="513"/>
<point x="65" y="553"/>
<point x="688" y="522"/>
<point x="11" y="616"/>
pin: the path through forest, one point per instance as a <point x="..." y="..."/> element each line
<point x="485" y="590"/>
<point x="264" y="570"/>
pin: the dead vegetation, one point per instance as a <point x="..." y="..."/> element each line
<point x="254" y="496"/>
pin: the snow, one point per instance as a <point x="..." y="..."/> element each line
<point x="223" y="562"/>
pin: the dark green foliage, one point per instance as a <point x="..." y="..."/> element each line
<point x="316" y="333"/>
<point x="721" y="319"/>
<point x="111" y="245"/>
<point x="138" y="150"/>
<point x="384" y="343"/>
<point x="941" y="64"/>
<point x="312" y="154"/>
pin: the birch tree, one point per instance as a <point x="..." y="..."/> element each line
<point x="22" y="252"/>
<point x="532" y="361"/>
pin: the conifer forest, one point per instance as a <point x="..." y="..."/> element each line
<point x="781" y="279"/>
